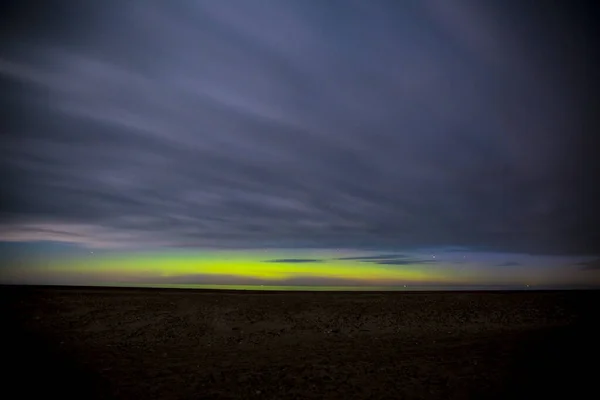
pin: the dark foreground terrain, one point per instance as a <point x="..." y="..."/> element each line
<point x="168" y="344"/>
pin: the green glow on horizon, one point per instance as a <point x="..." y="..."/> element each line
<point x="139" y="267"/>
<point x="254" y="268"/>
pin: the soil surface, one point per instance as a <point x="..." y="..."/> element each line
<point x="104" y="343"/>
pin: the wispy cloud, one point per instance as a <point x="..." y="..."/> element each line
<point x="376" y="257"/>
<point x="591" y="265"/>
<point x="292" y="124"/>
<point x="404" y="262"/>
<point x="294" y="260"/>
<point x="509" y="264"/>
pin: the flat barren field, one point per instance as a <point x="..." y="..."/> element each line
<point x="187" y="344"/>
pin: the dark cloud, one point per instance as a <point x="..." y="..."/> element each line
<point x="388" y="259"/>
<point x="591" y="265"/>
<point x="404" y="262"/>
<point x="293" y="260"/>
<point x="458" y="249"/>
<point x="377" y="257"/>
<point x="298" y="124"/>
<point x="509" y="264"/>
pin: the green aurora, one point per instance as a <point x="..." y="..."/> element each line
<point x="263" y="269"/>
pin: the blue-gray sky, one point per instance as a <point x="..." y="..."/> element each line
<point x="251" y="123"/>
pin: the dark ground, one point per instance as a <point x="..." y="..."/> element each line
<point x="169" y="344"/>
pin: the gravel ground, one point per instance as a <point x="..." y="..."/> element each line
<point x="188" y="344"/>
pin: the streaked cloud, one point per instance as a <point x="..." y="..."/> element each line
<point x="376" y="257"/>
<point x="404" y="262"/>
<point x="509" y="264"/>
<point x="297" y="124"/>
<point x="590" y="265"/>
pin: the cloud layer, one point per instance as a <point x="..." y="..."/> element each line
<point x="295" y="123"/>
<point x="590" y="265"/>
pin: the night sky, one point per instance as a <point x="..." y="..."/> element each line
<point x="299" y="143"/>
